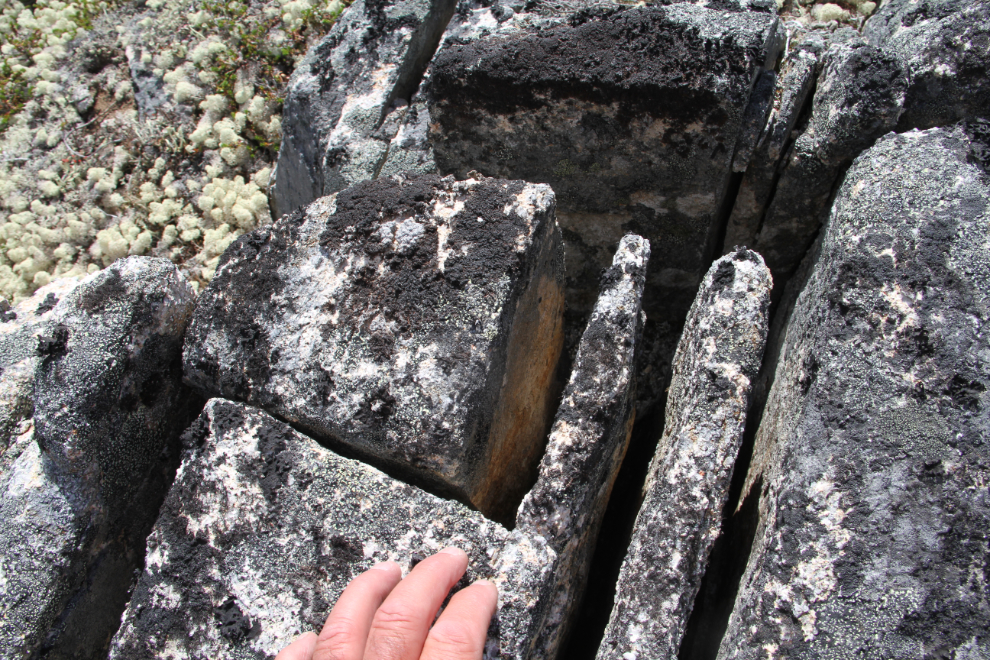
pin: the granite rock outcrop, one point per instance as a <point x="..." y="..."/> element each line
<point x="871" y="454"/>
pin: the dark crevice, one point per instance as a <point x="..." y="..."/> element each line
<point x="425" y="42"/>
<point x="726" y="566"/>
<point x="616" y="532"/>
<point x="740" y="515"/>
<point x="716" y="249"/>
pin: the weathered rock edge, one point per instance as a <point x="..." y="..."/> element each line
<point x="717" y="359"/>
<point x="871" y="458"/>
<point x="413" y="322"/>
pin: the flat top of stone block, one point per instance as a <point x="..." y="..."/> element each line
<point x="262" y="530"/>
<point x="632" y="58"/>
<point x="377" y="317"/>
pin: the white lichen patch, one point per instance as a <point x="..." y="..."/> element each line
<point x="148" y="134"/>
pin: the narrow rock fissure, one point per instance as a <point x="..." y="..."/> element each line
<point x="414" y="68"/>
<point x="616" y="532"/>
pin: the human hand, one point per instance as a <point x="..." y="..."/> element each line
<point x="381" y="616"/>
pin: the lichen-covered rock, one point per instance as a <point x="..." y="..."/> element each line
<point x="633" y="116"/>
<point x="82" y="481"/>
<point x="416" y="322"/>
<point x="335" y="131"/>
<point x="871" y="460"/>
<point x="794" y="84"/>
<point x="860" y="97"/>
<point x="717" y="360"/>
<point x="589" y="439"/>
<point x="262" y="530"/>
<point x="945" y="47"/>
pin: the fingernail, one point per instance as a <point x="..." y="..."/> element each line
<point x="385" y="566"/>
<point x="486" y="583"/>
<point x="457" y="552"/>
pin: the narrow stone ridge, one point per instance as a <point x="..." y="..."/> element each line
<point x="872" y="450"/>
<point x="717" y="359"/>
<point x="415" y="322"/>
<point x="347" y="98"/>
<point x="589" y="439"/>
<point x="94" y="453"/>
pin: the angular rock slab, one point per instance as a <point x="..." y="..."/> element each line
<point x="334" y="129"/>
<point x="415" y="322"/>
<point x="262" y="530"/>
<point x="83" y="479"/>
<point x="716" y="363"/>
<point x="632" y="116"/>
<point x="872" y="453"/>
<point x="945" y="47"/>
<point x="591" y="432"/>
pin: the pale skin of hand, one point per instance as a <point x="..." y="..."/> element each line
<point x="381" y="616"/>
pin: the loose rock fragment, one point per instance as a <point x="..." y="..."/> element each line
<point x="590" y="434"/>
<point x="717" y="359"/>
<point x="871" y="458"/>
<point x="334" y="130"/>
<point x="415" y="322"/>
<point x="945" y="47"/>
<point x="83" y="479"/>
<point x="262" y="530"/>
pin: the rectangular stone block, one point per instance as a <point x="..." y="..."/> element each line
<point x="415" y="323"/>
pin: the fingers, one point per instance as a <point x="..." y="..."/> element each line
<point x="346" y="630"/>
<point x="460" y="632"/>
<point x="401" y="624"/>
<point x="301" y="649"/>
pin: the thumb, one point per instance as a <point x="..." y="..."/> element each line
<point x="301" y="649"/>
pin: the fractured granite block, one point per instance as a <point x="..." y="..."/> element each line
<point x="795" y="82"/>
<point x="82" y="480"/>
<point x="633" y="116"/>
<point x="870" y="462"/>
<point x="590" y="435"/>
<point x="334" y="129"/>
<point x="717" y="360"/>
<point x="413" y="322"/>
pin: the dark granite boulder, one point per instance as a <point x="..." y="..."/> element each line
<point x="944" y="45"/>
<point x="413" y="322"/>
<point x="632" y="116"/>
<point x="83" y="479"/>
<point x="871" y="460"/>
<point x="347" y="97"/>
